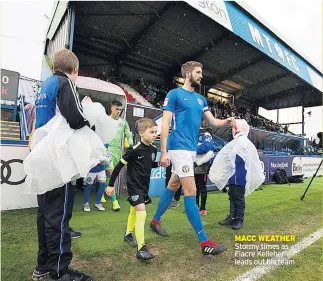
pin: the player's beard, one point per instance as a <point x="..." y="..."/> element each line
<point x="195" y="85"/>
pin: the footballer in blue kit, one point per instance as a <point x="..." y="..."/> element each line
<point x="184" y="109"/>
<point x="188" y="108"/>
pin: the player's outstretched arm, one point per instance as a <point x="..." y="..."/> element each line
<point x="167" y="118"/>
<point x="213" y="122"/>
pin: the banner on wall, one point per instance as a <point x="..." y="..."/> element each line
<point x="235" y="19"/>
<point x="157" y="181"/>
<point x="275" y="163"/>
<point x="310" y="165"/>
<point x="13" y="176"/>
<point x="9" y="85"/>
<point x="261" y="38"/>
<point x="264" y="40"/>
<point x="293" y="165"/>
<point x="13" y="179"/>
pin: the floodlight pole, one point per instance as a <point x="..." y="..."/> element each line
<point x="303" y="119"/>
<point x="302" y="197"/>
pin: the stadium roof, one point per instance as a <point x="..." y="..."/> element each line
<point x="240" y="55"/>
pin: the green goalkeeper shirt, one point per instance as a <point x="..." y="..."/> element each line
<point x="122" y="128"/>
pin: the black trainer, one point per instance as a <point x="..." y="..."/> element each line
<point x="40" y="274"/>
<point x="144" y="254"/>
<point x="228" y="221"/>
<point x="130" y="240"/>
<point x="156" y="227"/>
<point x="238" y="224"/>
<point x="75" y="234"/>
<point x="73" y="275"/>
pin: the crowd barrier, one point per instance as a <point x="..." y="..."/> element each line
<point x="13" y="187"/>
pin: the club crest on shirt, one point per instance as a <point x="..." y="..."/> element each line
<point x="134" y="198"/>
<point x="185" y="169"/>
<point x="200" y="101"/>
<point x="88" y="180"/>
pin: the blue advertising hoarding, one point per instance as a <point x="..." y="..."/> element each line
<point x="235" y="19"/>
<point x="293" y="165"/>
<point x="262" y="39"/>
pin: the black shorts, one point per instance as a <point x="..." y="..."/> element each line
<point x="135" y="200"/>
<point x="138" y="196"/>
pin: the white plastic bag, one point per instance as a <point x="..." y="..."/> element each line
<point x="223" y="167"/>
<point x="60" y="154"/>
<point x="204" y="158"/>
<point x="105" y="126"/>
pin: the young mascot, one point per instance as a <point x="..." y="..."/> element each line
<point x="140" y="160"/>
<point x="237" y="162"/>
<point x="58" y="94"/>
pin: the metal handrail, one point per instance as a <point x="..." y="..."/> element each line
<point x="23" y="120"/>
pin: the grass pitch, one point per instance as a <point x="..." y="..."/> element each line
<point x="102" y="253"/>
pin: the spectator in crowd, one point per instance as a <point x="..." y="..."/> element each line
<point x="319" y="135"/>
<point x="286" y="129"/>
<point x="155" y="94"/>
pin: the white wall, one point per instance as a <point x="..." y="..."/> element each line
<point x="13" y="196"/>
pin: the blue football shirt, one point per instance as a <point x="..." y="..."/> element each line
<point x="187" y="108"/>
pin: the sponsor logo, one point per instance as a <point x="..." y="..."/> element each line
<point x="134" y="198"/>
<point x="89" y="180"/>
<point x="41" y="97"/>
<point x="280" y="165"/>
<point x="6" y="172"/>
<point x="158" y="173"/>
<point x="166" y="102"/>
<point x="200" y="101"/>
<point x="297" y="168"/>
<point x="185" y="169"/>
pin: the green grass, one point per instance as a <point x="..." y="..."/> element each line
<point x="102" y="253"/>
<point x="308" y="266"/>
